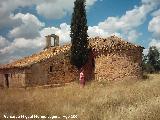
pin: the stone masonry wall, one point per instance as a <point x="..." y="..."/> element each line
<point x="35" y="75"/>
<point x="16" y="78"/>
<point x="55" y="70"/>
<point x="1" y="80"/>
<point x="104" y="65"/>
<point x="62" y="70"/>
<point x="118" y="64"/>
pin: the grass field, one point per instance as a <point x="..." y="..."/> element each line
<point x="118" y="100"/>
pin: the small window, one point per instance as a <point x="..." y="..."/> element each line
<point x="51" y="68"/>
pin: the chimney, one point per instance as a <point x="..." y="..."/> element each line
<point x="48" y="41"/>
<point x="56" y="40"/>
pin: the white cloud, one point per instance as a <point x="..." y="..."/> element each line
<point x="96" y="31"/>
<point x="29" y="28"/>
<point x="132" y="19"/>
<point x="25" y="38"/>
<point x="21" y="44"/>
<point x="48" y="8"/>
<point x="20" y="47"/>
<point x="154" y="2"/>
<point x="9" y="58"/>
<point x="63" y="32"/>
<point x="133" y="35"/>
<point x="154" y="26"/>
<point x="52" y="9"/>
<point x="155" y="42"/>
<point x="90" y="2"/>
<point x="27" y="35"/>
<point x="7" y="7"/>
<point x="13" y="58"/>
<point x="127" y="24"/>
<point x="145" y="51"/>
<point x="56" y="9"/>
<point x="3" y="42"/>
<point x="156" y="13"/>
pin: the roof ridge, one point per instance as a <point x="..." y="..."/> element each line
<point x="117" y="39"/>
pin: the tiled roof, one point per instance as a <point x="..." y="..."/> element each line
<point x="112" y="42"/>
<point x="96" y="43"/>
<point x="35" y="58"/>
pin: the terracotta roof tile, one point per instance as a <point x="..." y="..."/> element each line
<point x="112" y="42"/>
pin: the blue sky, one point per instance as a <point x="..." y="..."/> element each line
<point x="24" y="24"/>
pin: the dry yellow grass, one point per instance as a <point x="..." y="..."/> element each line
<point x="120" y="100"/>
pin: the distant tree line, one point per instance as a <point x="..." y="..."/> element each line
<point x="151" y="61"/>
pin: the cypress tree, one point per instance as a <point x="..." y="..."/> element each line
<point x="78" y="34"/>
